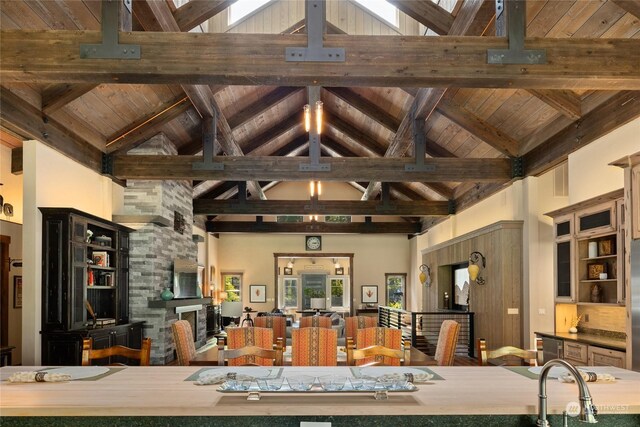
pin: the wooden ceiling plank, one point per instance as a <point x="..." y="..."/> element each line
<point x="273" y="98"/>
<point x="365" y="107"/>
<point x="479" y="128"/>
<point x="617" y="111"/>
<point x="288" y="169"/>
<point x="138" y="132"/>
<point x="20" y="117"/>
<point x="191" y="14"/>
<point x="313" y="227"/>
<point x="319" y="207"/>
<point x="356" y="135"/>
<point x="229" y="59"/>
<point x="426" y="12"/>
<point x="631" y="6"/>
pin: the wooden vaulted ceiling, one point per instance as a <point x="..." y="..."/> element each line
<point x="539" y="122"/>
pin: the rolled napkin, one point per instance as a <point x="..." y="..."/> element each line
<point x="220" y="378"/>
<point x="412" y="378"/>
<point x="38" y="377"/>
<point x="588" y="376"/>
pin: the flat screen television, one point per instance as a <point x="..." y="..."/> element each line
<point x="186" y="279"/>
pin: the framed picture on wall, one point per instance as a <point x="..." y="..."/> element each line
<point x="288" y="271"/>
<point x="17" y="291"/>
<point x="369" y="294"/>
<point x="258" y="293"/>
<point x="340" y="271"/>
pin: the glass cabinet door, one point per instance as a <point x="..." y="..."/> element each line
<point x="563" y="271"/>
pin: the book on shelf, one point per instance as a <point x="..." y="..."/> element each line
<point x="101" y="258"/>
<point x="104" y="321"/>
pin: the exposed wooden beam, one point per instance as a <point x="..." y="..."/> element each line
<point x="372" y="146"/>
<point x="21" y="117"/>
<point x="565" y="101"/>
<point x="191" y="14"/>
<point x="288" y="169"/>
<point x="468" y="16"/>
<point x="366" y="107"/>
<point x="617" y="111"/>
<point x="141" y="130"/>
<point x="479" y="128"/>
<point x="319" y="207"/>
<point x="273" y="98"/>
<point x="313" y="227"/>
<point x="426" y="12"/>
<point x="57" y="96"/>
<point x="28" y="56"/>
<point x="631" y="6"/>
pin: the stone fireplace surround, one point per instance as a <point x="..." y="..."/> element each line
<point x="154" y="246"/>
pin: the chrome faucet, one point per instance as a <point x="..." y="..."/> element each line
<point x="588" y="411"/>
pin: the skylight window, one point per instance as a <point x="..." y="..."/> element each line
<point x="242" y="8"/>
<point x="383" y="9"/>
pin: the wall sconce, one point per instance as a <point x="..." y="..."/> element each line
<point x="475" y="269"/>
<point x="425" y="275"/>
<point x="336" y="263"/>
<point x="290" y="263"/>
<point x="223" y="295"/>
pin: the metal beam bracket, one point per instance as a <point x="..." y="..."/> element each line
<point x="107" y="164"/>
<point x="209" y="126"/>
<point x="452" y="206"/>
<point x="516" y="27"/>
<point x="420" y="149"/>
<point x="110" y="47"/>
<point x="517" y="167"/>
<point x="315" y="51"/>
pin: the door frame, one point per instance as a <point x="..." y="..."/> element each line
<point x="349" y="255"/>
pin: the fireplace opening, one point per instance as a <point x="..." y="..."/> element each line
<point x="191" y="316"/>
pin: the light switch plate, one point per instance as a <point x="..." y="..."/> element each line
<point x="512" y="311"/>
<point x="542" y="311"/>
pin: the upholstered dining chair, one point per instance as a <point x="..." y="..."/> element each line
<point x="277" y="323"/>
<point x="250" y="337"/>
<point x="183" y="338"/>
<point x="315" y="322"/>
<point x="314" y="346"/>
<point x="484" y="356"/>
<point x="381" y="337"/>
<point x="352" y="324"/>
<point x="143" y="355"/>
<point x="447" y="342"/>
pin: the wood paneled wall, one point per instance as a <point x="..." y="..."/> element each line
<point x="350" y="17"/>
<point x="501" y="244"/>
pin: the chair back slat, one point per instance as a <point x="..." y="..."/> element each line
<point x="277" y="323"/>
<point x="379" y="336"/>
<point x="447" y="342"/>
<point x="352" y="324"/>
<point x="532" y="355"/>
<point x="89" y="354"/>
<point x="251" y="351"/>
<point x="315" y="322"/>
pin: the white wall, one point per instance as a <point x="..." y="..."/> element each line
<point x="252" y="255"/>
<point x="11" y="189"/>
<point x="51" y="180"/>
<point x="589" y="172"/>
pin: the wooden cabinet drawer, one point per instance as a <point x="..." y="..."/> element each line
<point x="599" y="356"/>
<point x="576" y="352"/>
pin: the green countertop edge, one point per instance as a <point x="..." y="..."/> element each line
<point x="613" y="420"/>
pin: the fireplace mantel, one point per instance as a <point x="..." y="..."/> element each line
<point x="158" y="303"/>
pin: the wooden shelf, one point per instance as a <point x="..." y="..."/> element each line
<point x="100" y="248"/>
<point x="599" y="280"/>
<point x="101" y="287"/>
<point x="599" y="257"/>
<point x="97" y="267"/>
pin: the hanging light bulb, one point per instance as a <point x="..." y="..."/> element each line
<point x="312" y="188"/>
<point x="307" y="117"/>
<point x="319" y="185"/>
<point x="319" y="117"/>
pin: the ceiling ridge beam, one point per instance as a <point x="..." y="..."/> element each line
<point x="426" y="12"/>
<point x="313" y="227"/>
<point x="572" y="63"/>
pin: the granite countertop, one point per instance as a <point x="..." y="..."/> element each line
<point x="599" y="340"/>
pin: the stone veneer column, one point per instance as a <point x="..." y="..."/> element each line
<point x="154" y="247"/>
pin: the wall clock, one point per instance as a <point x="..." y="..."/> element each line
<point x="313" y="243"/>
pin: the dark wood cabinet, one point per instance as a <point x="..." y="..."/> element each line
<point x="214" y="319"/>
<point x="85" y="261"/>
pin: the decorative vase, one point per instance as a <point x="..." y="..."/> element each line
<point x="593" y="249"/>
<point x="573" y="330"/>
<point x="166" y="294"/>
<point x="596" y="292"/>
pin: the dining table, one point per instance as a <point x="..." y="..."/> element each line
<point x="174" y="395"/>
<point x="210" y="357"/>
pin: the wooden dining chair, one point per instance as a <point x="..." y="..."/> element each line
<point x="447" y="342"/>
<point x="315" y="322"/>
<point x="277" y="323"/>
<point x="238" y="338"/>
<point x="89" y="353"/>
<point x="250" y="353"/>
<point x="352" y="324"/>
<point x="314" y="347"/>
<point x="374" y="352"/>
<point x="368" y="338"/>
<point x="485" y="356"/>
<point x="183" y="338"/>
